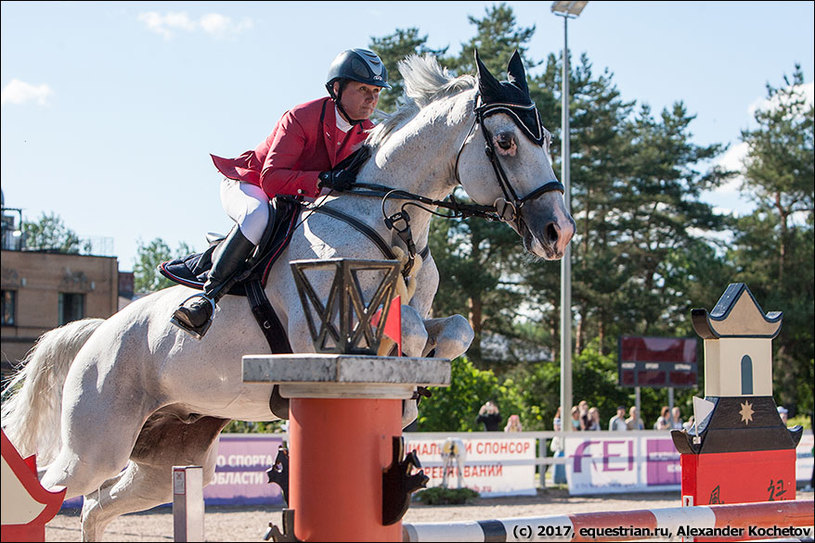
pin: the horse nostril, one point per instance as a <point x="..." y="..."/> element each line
<point x="551" y="233"/>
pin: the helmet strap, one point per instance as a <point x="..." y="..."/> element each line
<point x="338" y="100"/>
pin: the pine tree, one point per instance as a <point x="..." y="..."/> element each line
<point x="393" y="48"/>
<point x="773" y="246"/>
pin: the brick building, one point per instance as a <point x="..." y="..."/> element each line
<point x="42" y="290"/>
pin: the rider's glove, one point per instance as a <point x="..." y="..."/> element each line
<point x="344" y="174"/>
<point x="338" y="179"/>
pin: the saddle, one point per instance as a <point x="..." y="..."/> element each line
<point x="191" y="271"/>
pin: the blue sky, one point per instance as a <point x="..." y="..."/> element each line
<point x="110" y="109"/>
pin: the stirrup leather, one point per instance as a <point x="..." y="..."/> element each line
<point x="196" y="332"/>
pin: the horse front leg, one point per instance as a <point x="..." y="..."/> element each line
<point x="448" y="337"/>
<point x="414" y="338"/>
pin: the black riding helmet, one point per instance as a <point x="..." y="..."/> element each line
<point x="359" y="65"/>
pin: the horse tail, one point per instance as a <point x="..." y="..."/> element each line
<point x="32" y="399"/>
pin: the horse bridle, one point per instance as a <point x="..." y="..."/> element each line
<point x="509" y="207"/>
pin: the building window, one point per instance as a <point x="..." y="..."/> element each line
<point x="71" y="307"/>
<point x="9" y="307"/>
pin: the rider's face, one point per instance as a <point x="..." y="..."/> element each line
<point x="358" y="99"/>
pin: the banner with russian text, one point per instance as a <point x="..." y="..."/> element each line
<point x="240" y="471"/>
<point x="488" y="464"/>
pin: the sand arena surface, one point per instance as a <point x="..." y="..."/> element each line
<point x="250" y="523"/>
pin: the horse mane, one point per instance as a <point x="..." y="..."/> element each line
<point x="426" y="81"/>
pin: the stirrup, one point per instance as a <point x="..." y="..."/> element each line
<point x="196" y="332"/>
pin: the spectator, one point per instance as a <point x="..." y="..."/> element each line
<point x="514" y="424"/>
<point x="664" y="420"/>
<point x="782" y="412"/>
<point x="594" y="420"/>
<point x="489" y="416"/>
<point x="634" y="422"/>
<point x="576" y="418"/>
<point x="617" y="422"/>
<point x="556" y="446"/>
<point x="688" y="426"/>
<point x="583" y="408"/>
<point x="557" y="443"/>
<point x="556" y="423"/>
<point x="676" y="419"/>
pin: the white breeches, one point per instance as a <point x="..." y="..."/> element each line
<point x="248" y="206"/>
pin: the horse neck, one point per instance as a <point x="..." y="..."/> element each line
<point x="420" y="155"/>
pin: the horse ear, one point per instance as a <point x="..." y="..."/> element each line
<point x="488" y="86"/>
<point x="516" y="73"/>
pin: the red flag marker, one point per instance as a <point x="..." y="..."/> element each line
<point x="393" y="324"/>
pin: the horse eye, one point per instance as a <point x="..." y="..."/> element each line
<point x="504" y="141"/>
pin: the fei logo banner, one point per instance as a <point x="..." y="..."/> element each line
<point x="614" y="463"/>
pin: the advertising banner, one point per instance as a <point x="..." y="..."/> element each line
<point x="488" y="464"/>
<point x="598" y="462"/>
<point x="804" y="459"/>
<point x="240" y="471"/>
<point x="610" y="463"/>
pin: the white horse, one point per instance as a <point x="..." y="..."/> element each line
<point x="109" y="406"/>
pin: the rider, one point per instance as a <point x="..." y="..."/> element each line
<point x="300" y="157"/>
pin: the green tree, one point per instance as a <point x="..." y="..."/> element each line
<point x="146" y="277"/>
<point x="596" y="142"/>
<point x="455" y="408"/>
<point x="657" y="212"/>
<point x="49" y="233"/>
<point x="394" y="48"/>
<point x="773" y="246"/>
<point x="473" y="257"/>
<point x="497" y="37"/>
<point x="594" y="378"/>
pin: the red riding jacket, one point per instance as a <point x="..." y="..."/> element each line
<point x="305" y="142"/>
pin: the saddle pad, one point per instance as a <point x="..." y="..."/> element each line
<point x="191" y="271"/>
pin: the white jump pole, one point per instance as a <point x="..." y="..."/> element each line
<point x="188" y="503"/>
<point x="723" y="522"/>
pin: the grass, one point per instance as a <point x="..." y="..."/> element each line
<point x="446" y="496"/>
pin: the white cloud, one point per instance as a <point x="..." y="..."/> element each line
<point x="733" y="159"/>
<point x="729" y="196"/>
<point x="214" y="24"/>
<point x="220" y="26"/>
<point x="20" y="92"/>
<point x="764" y="104"/>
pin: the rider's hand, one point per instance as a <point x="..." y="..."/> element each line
<point x="339" y="179"/>
<point x="345" y="172"/>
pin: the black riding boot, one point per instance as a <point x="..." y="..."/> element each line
<point x="195" y="314"/>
